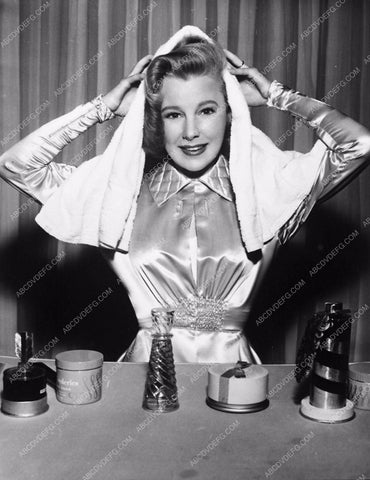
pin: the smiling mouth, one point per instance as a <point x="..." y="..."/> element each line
<point x="194" y="149"/>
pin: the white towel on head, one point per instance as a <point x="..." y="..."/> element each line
<point x="97" y="204"/>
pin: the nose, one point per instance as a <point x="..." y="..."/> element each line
<point x="190" y="129"/>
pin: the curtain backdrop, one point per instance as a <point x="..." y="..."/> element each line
<point x="58" y="54"/>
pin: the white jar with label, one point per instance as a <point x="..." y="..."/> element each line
<point x="79" y="376"/>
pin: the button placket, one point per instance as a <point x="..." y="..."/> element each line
<point x="179" y="208"/>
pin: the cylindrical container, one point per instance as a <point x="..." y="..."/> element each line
<point x="327" y="402"/>
<point x="359" y="385"/>
<point x="329" y="379"/>
<point x="79" y="376"/>
<point x="24" y="393"/>
<point x="240" y="388"/>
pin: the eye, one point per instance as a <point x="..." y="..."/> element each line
<point x="172" y="115"/>
<point x="208" y="111"/>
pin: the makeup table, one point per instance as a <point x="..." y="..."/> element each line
<point x="116" y="439"/>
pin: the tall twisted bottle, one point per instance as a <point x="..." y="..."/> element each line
<point x="160" y="388"/>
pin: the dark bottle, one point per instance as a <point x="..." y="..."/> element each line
<point x="24" y="393"/>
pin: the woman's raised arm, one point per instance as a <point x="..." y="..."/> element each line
<point x="347" y="141"/>
<point x="346" y="155"/>
<point x="28" y="165"/>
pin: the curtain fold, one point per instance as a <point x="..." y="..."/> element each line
<point x="75" y="49"/>
<point x="9" y="198"/>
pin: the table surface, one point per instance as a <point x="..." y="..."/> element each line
<point x="116" y="439"/>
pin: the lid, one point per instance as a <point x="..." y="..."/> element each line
<point x="253" y="371"/>
<point x="360" y="372"/>
<point x="331" y="307"/>
<point x="236" y="408"/>
<point x="79" y="359"/>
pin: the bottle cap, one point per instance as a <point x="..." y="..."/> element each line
<point x="162" y="320"/>
<point x="332" y="307"/>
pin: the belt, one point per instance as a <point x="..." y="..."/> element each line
<point x="204" y="314"/>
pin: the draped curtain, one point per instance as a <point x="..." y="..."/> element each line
<point x="58" y="54"/>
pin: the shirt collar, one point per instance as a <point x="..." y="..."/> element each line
<point x="166" y="181"/>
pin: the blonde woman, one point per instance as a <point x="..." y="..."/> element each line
<point x="197" y="231"/>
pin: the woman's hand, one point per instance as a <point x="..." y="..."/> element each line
<point x="254" y="85"/>
<point x="120" y="98"/>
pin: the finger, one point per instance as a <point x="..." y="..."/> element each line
<point x="237" y="71"/>
<point x="243" y="71"/>
<point x="233" y="59"/>
<point x="254" y="74"/>
<point x="141" y="64"/>
<point x="128" y="82"/>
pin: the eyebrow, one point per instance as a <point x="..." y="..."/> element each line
<point x="201" y="104"/>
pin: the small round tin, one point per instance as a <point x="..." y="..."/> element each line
<point x="24" y="392"/>
<point x="359" y="385"/>
<point x="237" y="388"/>
<point x="237" y="408"/>
<point x="79" y="376"/>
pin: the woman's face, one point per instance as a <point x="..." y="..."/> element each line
<point x="194" y="120"/>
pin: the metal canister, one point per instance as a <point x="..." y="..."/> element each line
<point x="330" y="371"/>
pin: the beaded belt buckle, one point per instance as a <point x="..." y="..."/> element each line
<point x="200" y="313"/>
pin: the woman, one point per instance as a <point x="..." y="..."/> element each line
<point x="198" y="230"/>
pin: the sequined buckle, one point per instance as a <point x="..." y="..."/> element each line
<point x="200" y="313"/>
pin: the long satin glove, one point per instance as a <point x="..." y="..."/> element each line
<point x="347" y="154"/>
<point x="28" y="165"/>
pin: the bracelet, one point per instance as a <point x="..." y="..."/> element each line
<point x="103" y="111"/>
<point x="275" y="90"/>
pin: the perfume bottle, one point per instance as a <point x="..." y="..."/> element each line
<point x="160" y="388"/>
<point x="24" y="393"/>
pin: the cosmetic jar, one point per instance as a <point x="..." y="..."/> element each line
<point x="359" y="385"/>
<point x="79" y="376"/>
<point x="24" y="392"/>
<point x="240" y="388"/>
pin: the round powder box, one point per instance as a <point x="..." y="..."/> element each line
<point x="240" y="388"/>
<point x="79" y="376"/>
<point x="359" y="385"/>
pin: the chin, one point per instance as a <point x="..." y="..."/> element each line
<point x="195" y="166"/>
